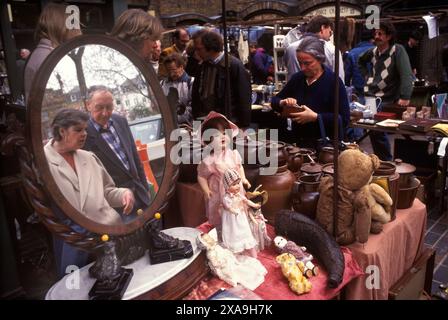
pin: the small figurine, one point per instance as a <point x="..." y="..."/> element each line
<point x="232" y="269"/>
<point x="257" y="221"/>
<point x="297" y="282"/>
<point x="236" y="233"/>
<point x="303" y="257"/>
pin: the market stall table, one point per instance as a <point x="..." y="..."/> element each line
<point x="169" y="280"/>
<point x="393" y="252"/>
<point x="275" y="285"/>
<point x="408" y="134"/>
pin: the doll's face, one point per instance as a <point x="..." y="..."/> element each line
<point x="235" y="187"/>
<point x="219" y="138"/>
<point x="280" y="242"/>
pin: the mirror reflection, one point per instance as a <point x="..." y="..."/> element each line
<point x="96" y="100"/>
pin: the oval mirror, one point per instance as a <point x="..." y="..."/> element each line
<point x="126" y="124"/>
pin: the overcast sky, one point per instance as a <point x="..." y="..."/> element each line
<point x="95" y="58"/>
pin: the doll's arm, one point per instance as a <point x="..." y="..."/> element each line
<point x="252" y="204"/>
<point x="204" y="186"/>
<point x="243" y="177"/>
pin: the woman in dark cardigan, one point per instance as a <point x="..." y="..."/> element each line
<point x="313" y="89"/>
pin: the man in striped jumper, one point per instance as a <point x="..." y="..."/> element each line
<point x="390" y="78"/>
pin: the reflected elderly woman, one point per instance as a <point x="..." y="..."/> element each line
<point x="80" y="175"/>
<point x="313" y="88"/>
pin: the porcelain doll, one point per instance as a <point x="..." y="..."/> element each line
<point x="257" y="221"/>
<point x="220" y="158"/>
<point x="232" y="269"/>
<point x="236" y="232"/>
<point x="257" y="224"/>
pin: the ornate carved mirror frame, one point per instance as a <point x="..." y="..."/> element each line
<point x="40" y="184"/>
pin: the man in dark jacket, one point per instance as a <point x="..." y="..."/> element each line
<point x="110" y="139"/>
<point x="209" y="87"/>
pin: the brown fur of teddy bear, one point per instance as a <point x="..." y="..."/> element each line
<point x="362" y="207"/>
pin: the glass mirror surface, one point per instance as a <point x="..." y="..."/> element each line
<point x="79" y="77"/>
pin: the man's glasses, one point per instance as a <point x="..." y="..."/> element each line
<point x="99" y="107"/>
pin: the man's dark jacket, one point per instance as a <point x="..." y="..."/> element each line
<point x="134" y="178"/>
<point x="213" y="76"/>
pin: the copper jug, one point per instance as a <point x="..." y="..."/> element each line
<point x="275" y="149"/>
<point x="326" y="155"/>
<point x="249" y="150"/>
<point x="296" y="156"/>
<point x="305" y="194"/>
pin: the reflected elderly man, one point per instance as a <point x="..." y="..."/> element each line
<point x="110" y="138"/>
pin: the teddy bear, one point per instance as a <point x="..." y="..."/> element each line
<point x="363" y="206"/>
<point x="290" y="269"/>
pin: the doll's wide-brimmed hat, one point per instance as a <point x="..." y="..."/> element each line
<point x="213" y="115"/>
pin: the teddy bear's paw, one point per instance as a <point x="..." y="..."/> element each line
<point x="376" y="227"/>
<point x="345" y="238"/>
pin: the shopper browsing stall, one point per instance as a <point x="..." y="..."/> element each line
<point x="312" y="88"/>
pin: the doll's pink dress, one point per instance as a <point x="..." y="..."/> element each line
<point x="236" y="233"/>
<point x="212" y="168"/>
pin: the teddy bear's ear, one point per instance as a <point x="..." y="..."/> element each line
<point x="375" y="161"/>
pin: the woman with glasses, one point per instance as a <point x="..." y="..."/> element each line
<point x="312" y="88"/>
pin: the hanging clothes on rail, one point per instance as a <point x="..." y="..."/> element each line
<point x="243" y="48"/>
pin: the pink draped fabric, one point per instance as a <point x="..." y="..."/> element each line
<point x="393" y="251"/>
<point x="275" y="286"/>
